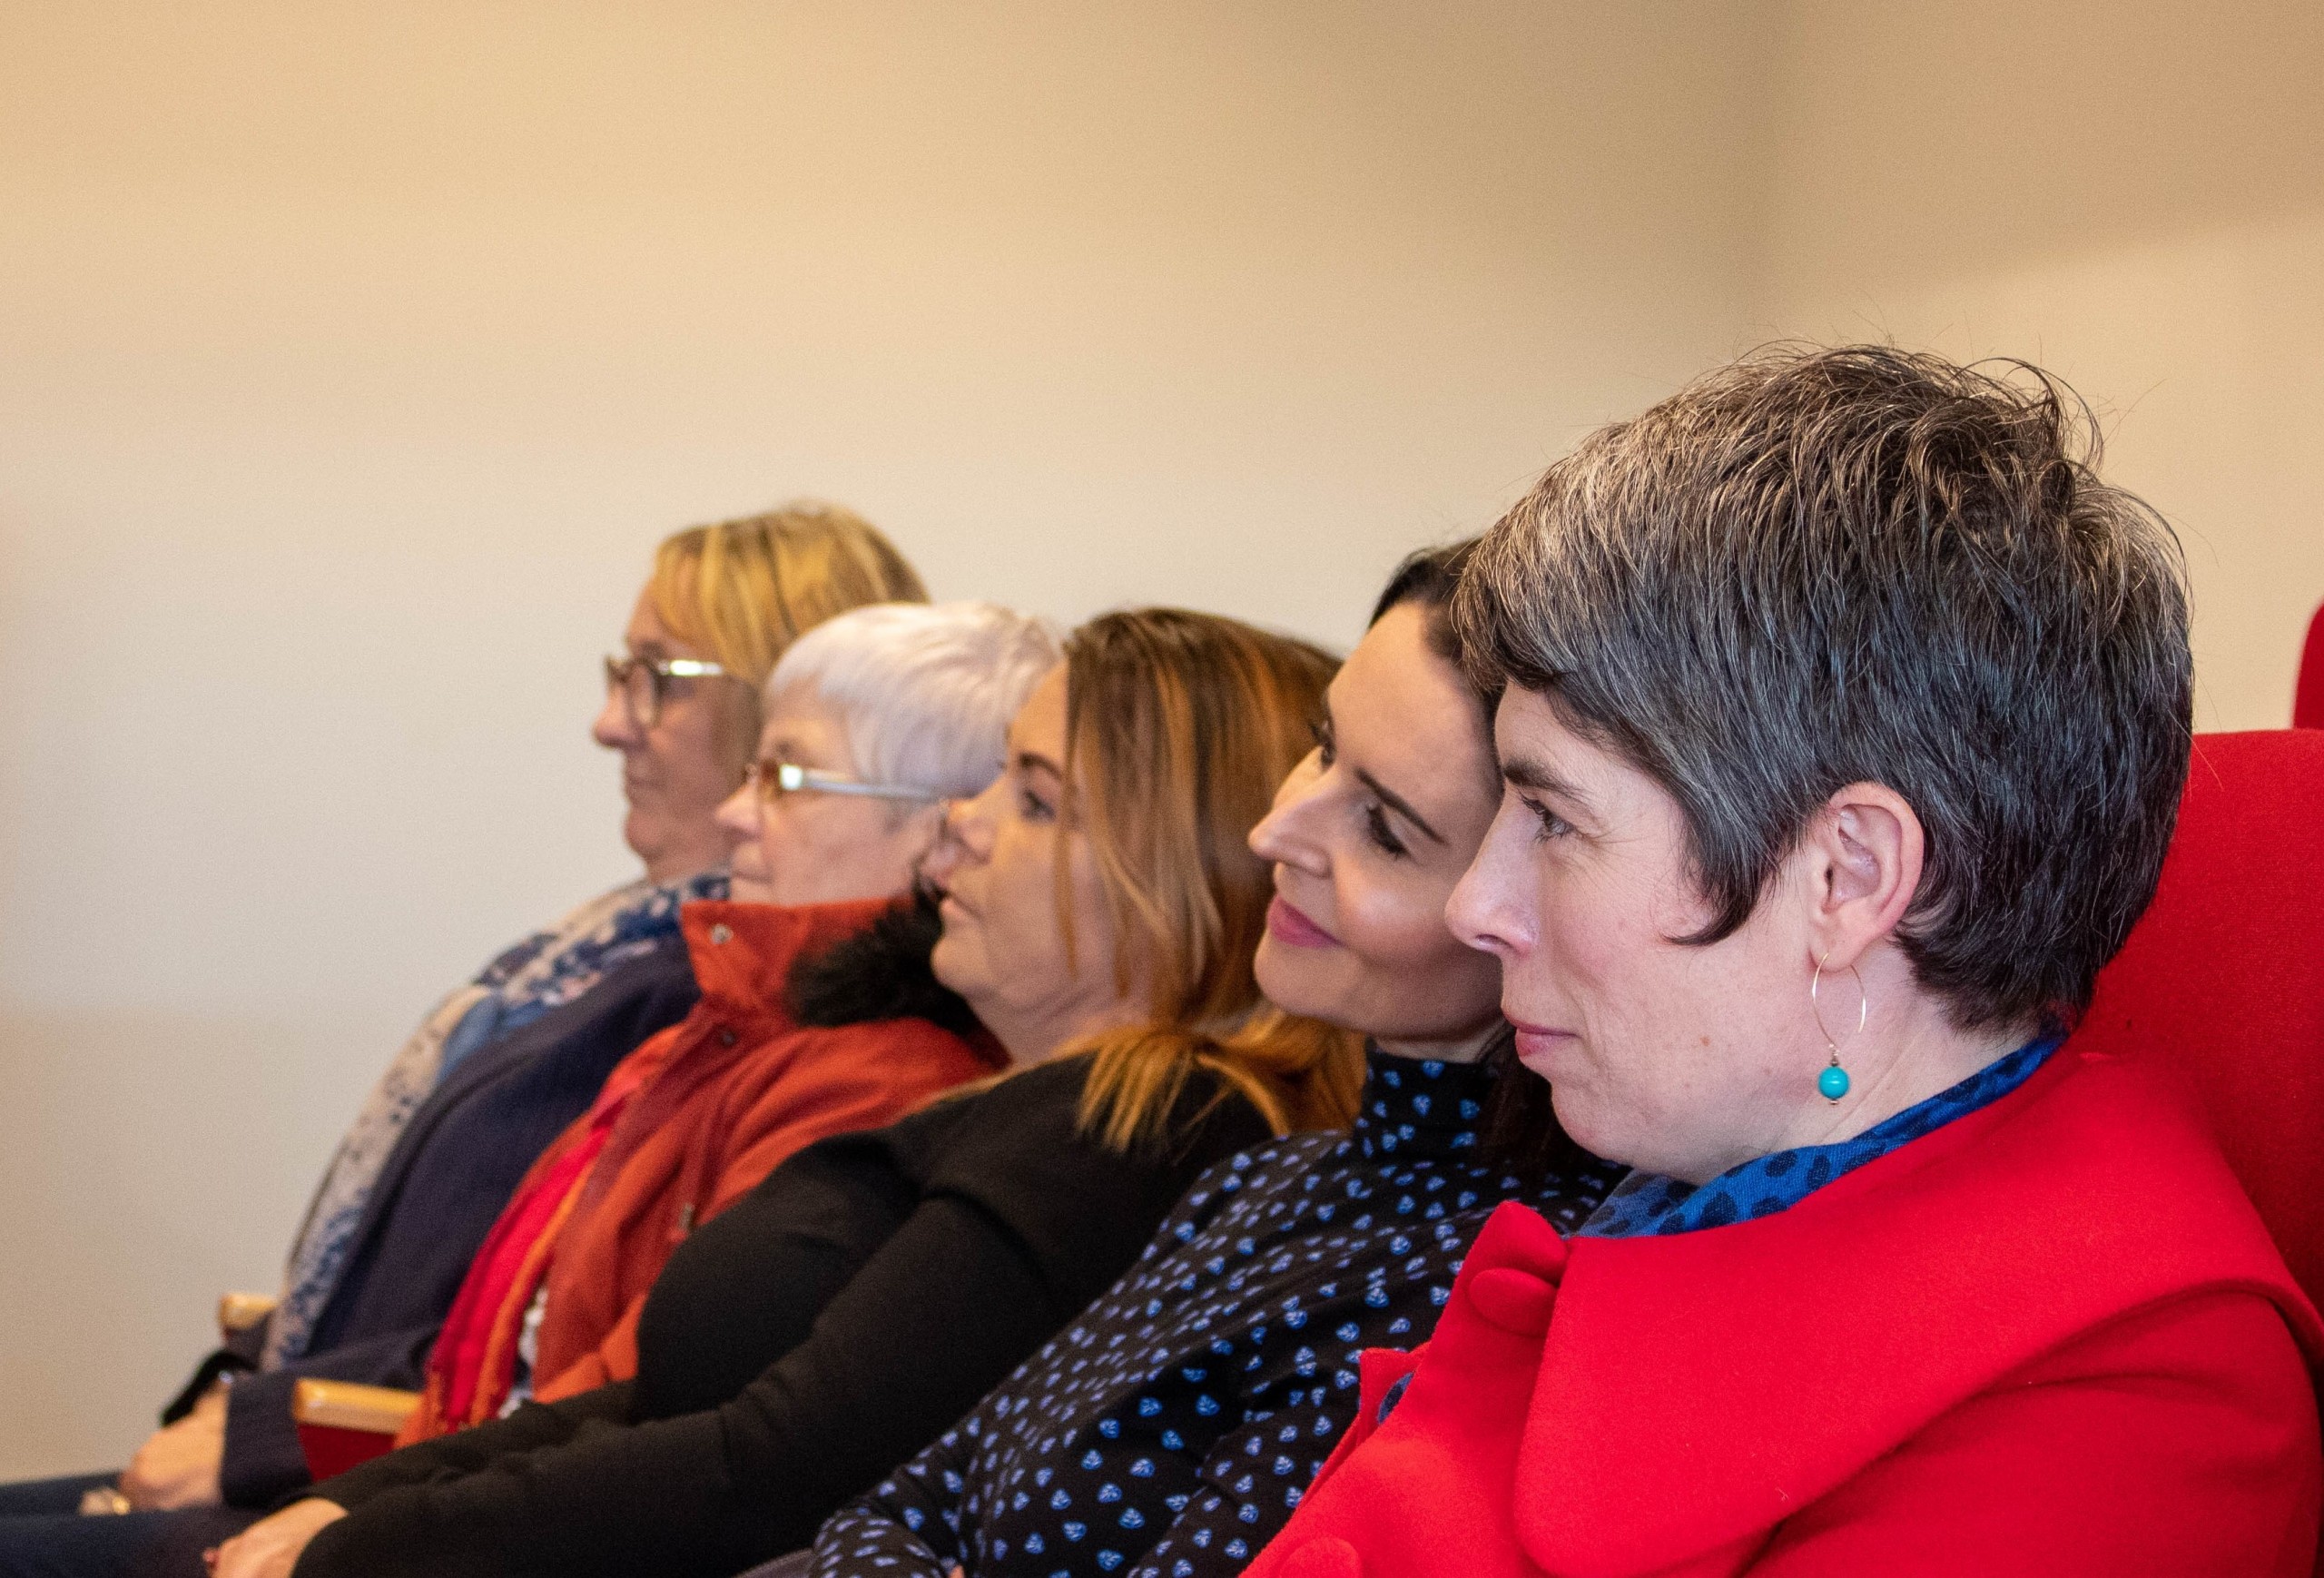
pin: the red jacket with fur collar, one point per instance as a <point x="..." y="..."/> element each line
<point x="706" y="1108"/>
<point x="2052" y="1338"/>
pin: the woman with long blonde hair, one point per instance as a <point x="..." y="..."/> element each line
<point x="1096" y="908"/>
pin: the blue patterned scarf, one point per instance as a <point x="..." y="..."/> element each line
<point x="546" y="970"/>
<point x="1648" y="1203"/>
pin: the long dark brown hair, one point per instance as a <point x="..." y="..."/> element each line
<point x="1520" y="1129"/>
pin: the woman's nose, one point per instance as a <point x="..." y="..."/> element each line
<point x="1283" y="835"/>
<point x="739" y="814"/>
<point x="613" y="729"/>
<point x="1482" y="912"/>
<point x="943" y="856"/>
<point x="1281" y="838"/>
<point x="967" y="831"/>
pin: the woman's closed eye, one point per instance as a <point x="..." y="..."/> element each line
<point x="1033" y="806"/>
<point x="1376" y="828"/>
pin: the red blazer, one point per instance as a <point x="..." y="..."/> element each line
<point x="2051" y="1338"/>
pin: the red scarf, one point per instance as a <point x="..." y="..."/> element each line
<point x="470" y="1376"/>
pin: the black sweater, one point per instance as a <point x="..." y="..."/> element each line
<point x="799" y="1346"/>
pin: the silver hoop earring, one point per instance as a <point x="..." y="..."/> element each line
<point x="1833" y="1082"/>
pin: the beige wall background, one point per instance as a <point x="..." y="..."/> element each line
<point x="353" y="356"/>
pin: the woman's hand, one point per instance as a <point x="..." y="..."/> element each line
<point x="178" y="1465"/>
<point x="270" y="1548"/>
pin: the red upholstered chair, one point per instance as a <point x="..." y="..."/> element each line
<point x="2308" y="702"/>
<point x="2224" y="975"/>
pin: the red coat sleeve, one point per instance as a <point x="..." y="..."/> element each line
<point x="1427" y="1492"/>
<point x="2179" y="1439"/>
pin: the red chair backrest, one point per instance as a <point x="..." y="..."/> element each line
<point x="2224" y="974"/>
<point x="2308" y="702"/>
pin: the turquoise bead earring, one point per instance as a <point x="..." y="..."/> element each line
<point x="1833" y="1082"/>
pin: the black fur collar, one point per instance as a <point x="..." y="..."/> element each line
<point x="880" y="972"/>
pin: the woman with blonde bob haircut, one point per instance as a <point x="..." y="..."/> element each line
<point x="506" y="1059"/>
<point x="1095" y="910"/>
<point x="724" y="602"/>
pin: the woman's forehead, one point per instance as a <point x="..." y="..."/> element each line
<point x="649" y="636"/>
<point x="799" y="718"/>
<point x="1039" y="727"/>
<point x="1407" y="713"/>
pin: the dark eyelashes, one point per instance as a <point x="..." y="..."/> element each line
<point x="1552" y="825"/>
<point x="1376" y="815"/>
<point x="1377" y="824"/>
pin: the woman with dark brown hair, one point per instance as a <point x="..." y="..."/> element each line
<point x="1171" y="1428"/>
<point x="1099" y="910"/>
<point x="1846" y="724"/>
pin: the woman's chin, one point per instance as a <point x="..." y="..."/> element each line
<point x="1584" y="1123"/>
<point x="948" y="962"/>
<point x="1287" y="979"/>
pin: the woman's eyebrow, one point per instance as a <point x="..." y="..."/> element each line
<point x="1521" y="772"/>
<point x="1397" y="803"/>
<point x="1030" y="761"/>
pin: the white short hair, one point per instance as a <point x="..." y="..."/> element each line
<point x="924" y="691"/>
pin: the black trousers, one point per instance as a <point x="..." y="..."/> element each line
<point x="43" y="1535"/>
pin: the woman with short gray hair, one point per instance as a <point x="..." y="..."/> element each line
<point x="1846" y="717"/>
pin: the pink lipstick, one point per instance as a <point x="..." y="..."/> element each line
<point x="1287" y="926"/>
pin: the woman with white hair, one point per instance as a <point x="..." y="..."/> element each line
<point x="873" y="720"/>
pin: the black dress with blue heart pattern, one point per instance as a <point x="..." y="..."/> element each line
<point x="1169" y="1430"/>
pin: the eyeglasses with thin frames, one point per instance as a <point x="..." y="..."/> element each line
<point x="774" y="779"/>
<point x="644" y="683"/>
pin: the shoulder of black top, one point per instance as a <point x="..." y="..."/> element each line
<point x="880" y="973"/>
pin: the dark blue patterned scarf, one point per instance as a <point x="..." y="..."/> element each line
<point x="1649" y="1203"/>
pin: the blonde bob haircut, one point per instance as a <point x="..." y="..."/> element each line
<point x="1178" y="728"/>
<point x="742" y="590"/>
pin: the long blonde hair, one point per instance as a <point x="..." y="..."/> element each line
<point x="1179" y="727"/>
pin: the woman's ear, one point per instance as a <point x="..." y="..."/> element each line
<point x="1863" y="854"/>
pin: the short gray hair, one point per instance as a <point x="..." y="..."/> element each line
<point x="925" y="691"/>
<point x="1817" y="567"/>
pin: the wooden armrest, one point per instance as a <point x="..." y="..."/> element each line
<point x="344" y="1406"/>
<point x="342" y="1424"/>
<point x="238" y="1312"/>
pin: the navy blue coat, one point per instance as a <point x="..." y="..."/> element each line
<point x="442" y="1187"/>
